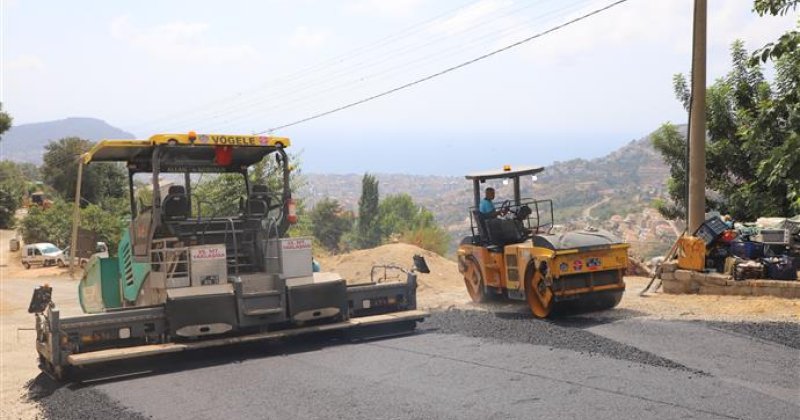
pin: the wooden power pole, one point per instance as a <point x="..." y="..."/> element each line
<point x="76" y="219"/>
<point x="697" y="121"/>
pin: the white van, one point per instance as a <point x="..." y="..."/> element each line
<point x="44" y="254"/>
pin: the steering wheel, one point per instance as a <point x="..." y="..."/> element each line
<point x="506" y="207"/>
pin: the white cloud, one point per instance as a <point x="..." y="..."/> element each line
<point x="470" y="16"/>
<point x="25" y="63"/>
<point x="390" y="8"/>
<point x="305" y="37"/>
<point x="667" y="24"/>
<point x="730" y="21"/>
<point x="179" y="41"/>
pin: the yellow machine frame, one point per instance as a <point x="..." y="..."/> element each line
<point x="540" y="275"/>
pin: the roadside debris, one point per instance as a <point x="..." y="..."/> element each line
<point x="723" y="257"/>
<point x="766" y="249"/>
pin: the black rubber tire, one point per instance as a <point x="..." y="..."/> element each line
<point x="476" y="288"/>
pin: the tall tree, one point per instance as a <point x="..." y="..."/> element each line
<point x="399" y="213"/>
<point x="368" y="229"/>
<point x="12" y="187"/>
<point x="753" y="166"/>
<point x="60" y="171"/>
<point x="5" y="121"/>
<point x="219" y="194"/>
<point x="330" y="222"/>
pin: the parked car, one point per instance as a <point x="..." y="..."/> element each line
<point x="101" y="251"/>
<point x="44" y="254"/>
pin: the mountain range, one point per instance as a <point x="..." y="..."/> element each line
<point x="26" y="142"/>
<point x="623" y="182"/>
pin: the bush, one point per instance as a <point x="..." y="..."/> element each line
<point x="8" y="206"/>
<point x="432" y="238"/>
<point x="54" y="225"/>
<point x="329" y="222"/>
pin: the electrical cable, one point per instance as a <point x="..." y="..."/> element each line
<point x="293" y="89"/>
<point x="430" y="58"/>
<point x="309" y="69"/>
<point x="289" y="89"/>
<point x="445" y="71"/>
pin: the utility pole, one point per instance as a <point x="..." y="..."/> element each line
<point x="697" y="121"/>
<point x="76" y="219"/>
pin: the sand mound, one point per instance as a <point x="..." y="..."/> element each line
<point x="442" y="287"/>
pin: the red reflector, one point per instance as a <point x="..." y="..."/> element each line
<point x="223" y="155"/>
<point x="292" y="213"/>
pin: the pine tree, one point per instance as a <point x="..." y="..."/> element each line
<point x="368" y="229"/>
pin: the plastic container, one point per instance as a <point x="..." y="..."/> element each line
<point x="747" y="250"/>
<point x="711" y="229"/>
<point x="691" y="253"/>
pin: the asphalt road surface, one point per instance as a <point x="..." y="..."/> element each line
<point x="466" y="365"/>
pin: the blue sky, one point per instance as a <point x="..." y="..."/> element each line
<point x="246" y="66"/>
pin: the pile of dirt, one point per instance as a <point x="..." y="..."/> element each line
<point x="443" y="287"/>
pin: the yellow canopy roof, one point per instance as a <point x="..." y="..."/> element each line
<point x="128" y="150"/>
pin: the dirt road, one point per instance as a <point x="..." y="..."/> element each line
<point x="17" y="355"/>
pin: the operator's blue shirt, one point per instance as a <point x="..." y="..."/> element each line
<point x="486" y="206"/>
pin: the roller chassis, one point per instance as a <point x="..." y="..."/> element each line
<point x="513" y="254"/>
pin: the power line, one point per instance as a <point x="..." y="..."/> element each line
<point x="445" y="71"/>
<point x="288" y="77"/>
<point x="293" y="85"/>
<point x="439" y="55"/>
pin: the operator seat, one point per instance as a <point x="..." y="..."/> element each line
<point x="503" y="232"/>
<point x="258" y="202"/>
<point x="176" y="204"/>
<point x="480" y="220"/>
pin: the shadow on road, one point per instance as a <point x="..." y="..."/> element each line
<point x="43" y="386"/>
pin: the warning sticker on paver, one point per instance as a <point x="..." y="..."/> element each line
<point x="208" y="253"/>
<point x="300" y="243"/>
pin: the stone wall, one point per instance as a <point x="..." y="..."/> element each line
<point x="675" y="280"/>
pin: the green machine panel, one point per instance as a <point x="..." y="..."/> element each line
<point x="99" y="288"/>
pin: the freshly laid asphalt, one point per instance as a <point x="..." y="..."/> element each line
<point x="467" y="365"/>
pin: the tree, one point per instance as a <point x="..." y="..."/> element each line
<point x="330" y="222"/>
<point x="12" y="188"/>
<point x="219" y="194"/>
<point x="51" y="225"/>
<point x="753" y="167"/>
<point x="5" y="121"/>
<point x="789" y="42"/>
<point x="399" y="213"/>
<point x="55" y="224"/>
<point x="411" y="223"/>
<point x="368" y="232"/>
<point x="60" y="171"/>
<point x="672" y="145"/>
<point x="8" y="207"/>
<point x="432" y="238"/>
